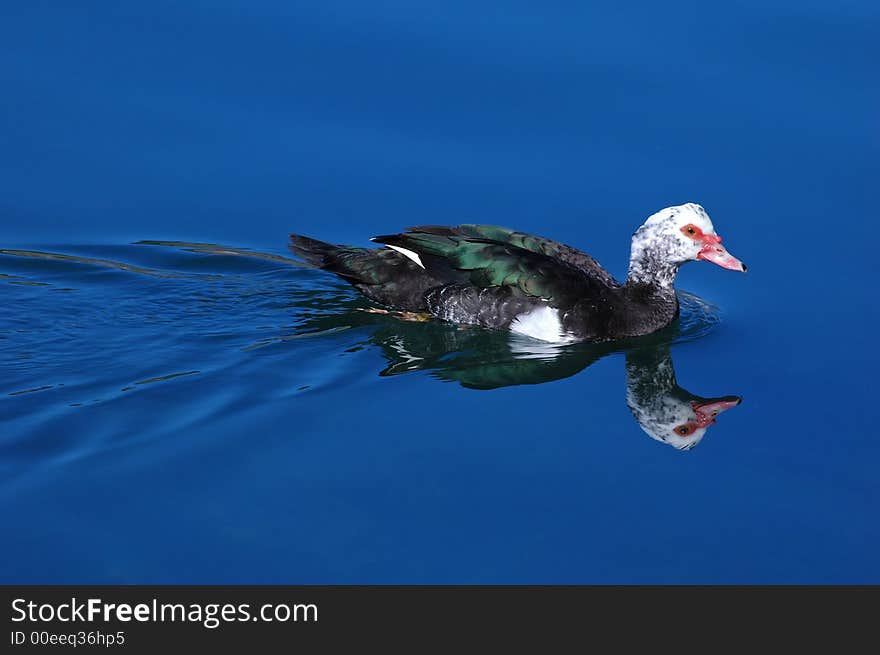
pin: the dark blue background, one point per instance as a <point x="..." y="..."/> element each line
<point x="237" y="122"/>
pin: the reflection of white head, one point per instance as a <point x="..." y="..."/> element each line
<point x="664" y="410"/>
<point x="667" y="419"/>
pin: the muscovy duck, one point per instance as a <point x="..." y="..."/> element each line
<point x="502" y="279"/>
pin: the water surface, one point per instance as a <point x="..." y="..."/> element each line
<point x="181" y="402"/>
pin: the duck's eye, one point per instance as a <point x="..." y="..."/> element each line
<point x="684" y="430"/>
<point x="692" y="231"/>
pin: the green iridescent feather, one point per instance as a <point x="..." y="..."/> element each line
<point x="469" y="254"/>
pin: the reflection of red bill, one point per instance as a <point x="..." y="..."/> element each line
<point x="714" y="252"/>
<point x="707" y="411"/>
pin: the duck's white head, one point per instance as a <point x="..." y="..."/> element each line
<point x="670" y="238"/>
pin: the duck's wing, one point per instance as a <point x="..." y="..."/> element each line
<point x="540" y="245"/>
<point x="483" y="263"/>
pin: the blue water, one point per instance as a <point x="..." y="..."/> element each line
<point x="181" y="403"/>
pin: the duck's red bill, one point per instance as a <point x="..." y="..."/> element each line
<point x="714" y="252"/>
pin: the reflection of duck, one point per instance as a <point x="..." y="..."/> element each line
<point x="483" y="359"/>
<point x="664" y="410"/>
<point x="501" y="279"/>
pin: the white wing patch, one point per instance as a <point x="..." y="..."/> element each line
<point x="542" y="323"/>
<point x="409" y="253"/>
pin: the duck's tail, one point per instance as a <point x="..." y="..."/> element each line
<point x="317" y="253"/>
<point x="382" y="274"/>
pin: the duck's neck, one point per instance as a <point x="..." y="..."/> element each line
<point x="650" y="291"/>
<point x="649" y="266"/>
<point x="650" y="374"/>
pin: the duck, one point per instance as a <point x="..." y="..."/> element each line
<point x="502" y="279"/>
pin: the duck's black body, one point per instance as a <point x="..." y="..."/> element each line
<point x="500" y="279"/>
